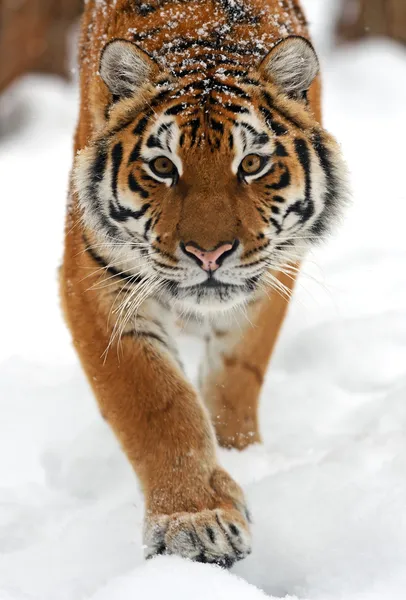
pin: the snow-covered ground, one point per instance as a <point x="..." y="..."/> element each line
<point x="328" y="487"/>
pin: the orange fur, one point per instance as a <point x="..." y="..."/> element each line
<point x="158" y="417"/>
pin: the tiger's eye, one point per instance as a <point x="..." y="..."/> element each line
<point x="251" y="164"/>
<point x="163" y="166"/>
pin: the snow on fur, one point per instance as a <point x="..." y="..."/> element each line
<point x="327" y="489"/>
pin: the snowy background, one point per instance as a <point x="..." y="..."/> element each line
<point x="327" y="489"/>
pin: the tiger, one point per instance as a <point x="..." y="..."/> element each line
<point x="202" y="176"/>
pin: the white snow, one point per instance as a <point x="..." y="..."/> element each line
<point x="327" y="489"/>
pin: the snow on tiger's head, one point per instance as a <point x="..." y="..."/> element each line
<point x="209" y="177"/>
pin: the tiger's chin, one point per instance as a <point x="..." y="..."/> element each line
<point x="206" y="300"/>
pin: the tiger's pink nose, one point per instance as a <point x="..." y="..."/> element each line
<point x="209" y="260"/>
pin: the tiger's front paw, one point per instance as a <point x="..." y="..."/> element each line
<point x="216" y="534"/>
<point x="211" y="536"/>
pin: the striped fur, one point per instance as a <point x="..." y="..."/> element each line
<point x="177" y="98"/>
<point x="205" y="123"/>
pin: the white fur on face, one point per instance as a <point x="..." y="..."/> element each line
<point x="307" y="200"/>
<point x="315" y="192"/>
<point x="165" y="134"/>
<point x="250" y="138"/>
<point x="96" y="195"/>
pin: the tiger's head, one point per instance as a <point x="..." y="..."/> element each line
<point x="205" y="180"/>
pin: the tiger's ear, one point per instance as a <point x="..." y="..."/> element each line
<point x="124" y="67"/>
<point x="292" y="64"/>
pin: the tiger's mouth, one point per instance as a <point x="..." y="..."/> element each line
<point x="212" y="294"/>
<point x="212" y="283"/>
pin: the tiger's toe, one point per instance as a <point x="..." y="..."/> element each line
<point x="219" y="536"/>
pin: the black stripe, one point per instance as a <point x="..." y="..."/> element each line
<point x="163" y="81"/>
<point x="255" y="263"/>
<point x="325" y="160"/>
<point x="165" y="254"/>
<point x="121" y="214"/>
<point x="96" y="176"/>
<point x="284" y="179"/>
<point x="232" y="89"/>
<point x="260" y="139"/>
<point x="208" y="58"/>
<point x="193" y="86"/>
<point x="135" y="187"/>
<point x="135" y="153"/>
<point x="234" y="108"/>
<point x="164" y="127"/>
<point x="228" y="537"/>
<point x="262" y="214"/>
<point x="151" y="180"/>
<point x="255" y="250"/>
<point x="303" y="208"/>
<point x="250" y="81"/>
<point x="182" y="44"/>
<point x="176" y="109"/>
<point x="147" y="227"/>
<point x="240" y="72"/>
<point x="208" y="85"/>
<point x="332" y="182"/>
<point x="122" y="124"/>
<point x="276" y="127"/>
<point x="97" y="173"/>
<point x="285" y="244"/>
<point x="276" y="225"/>
<point x="271" y="103"/>
<point x="99" y="166"/>
<point x="216" y="125"/>
<point x="182" y="72"/>
<point x="280" y="149"/>
<point x="194" y="125"/>
<point x="117" y="157"/>
<point x="154" y="142"/>
<point x="146" y="335"/>
<point x="303" y="154"/>
<point x="112" y="270"/>
<point x="169" y="267"/>
<point x="159" y="98"/>
<point x="141" y="125"/>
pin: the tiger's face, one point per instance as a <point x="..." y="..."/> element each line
<point x="207" y="184"/>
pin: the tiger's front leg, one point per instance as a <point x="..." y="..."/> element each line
<point x="234" y="367"/>
<point x="193" y="507"/>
